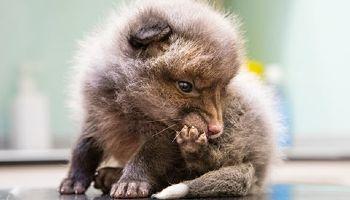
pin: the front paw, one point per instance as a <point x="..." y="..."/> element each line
<point x="73" y="186"/>
<point x="190" y="140"/>
<point x="130" y="189"/>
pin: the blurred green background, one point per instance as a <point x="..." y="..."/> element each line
<point x="307" y="39"/>
<point x="42" y="35"/>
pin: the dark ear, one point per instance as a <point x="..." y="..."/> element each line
<point x="151" y="30"/>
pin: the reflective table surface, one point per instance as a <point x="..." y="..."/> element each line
<point x="275" y="192"/>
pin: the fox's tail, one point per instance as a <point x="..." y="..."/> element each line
<point x="227" y="181"/>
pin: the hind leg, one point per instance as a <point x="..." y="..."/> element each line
<point x="105" y="177"/>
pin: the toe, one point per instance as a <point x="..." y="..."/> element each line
<point x="193" y="133"/>
<point x="66" y="187"/>
<point x="143" y="189"/>
<point x="113" y="190"/>
<point x="79" y="188"/>
<point x="131" y="191"/>
<point x="202" y="139"/>
<point x="120" y="190"/>
<point x="184" y="133"/>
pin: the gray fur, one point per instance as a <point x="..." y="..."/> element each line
<point x="131" y="108"/>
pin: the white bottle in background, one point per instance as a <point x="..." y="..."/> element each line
<point x="31" y="124"/>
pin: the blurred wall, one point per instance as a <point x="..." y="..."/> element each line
<point x="310" y="40"/>
<point x="264" y="24"/>
<point x="42" y="35"/>
<point x="316" y="55"/>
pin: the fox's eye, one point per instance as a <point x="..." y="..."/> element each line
<point x="185" y="86"/>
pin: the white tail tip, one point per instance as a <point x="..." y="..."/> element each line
<point x="172" y="192"/>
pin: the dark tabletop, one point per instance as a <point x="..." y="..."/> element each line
<point x="280" y="192"/>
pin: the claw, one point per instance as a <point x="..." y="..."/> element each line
<point x="193" y="133"/>
<point x="190" y="140"/>
<point x="202" y="139"/>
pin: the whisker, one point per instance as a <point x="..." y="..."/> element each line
<point x="164" y="130"/>
<point x="177" y="135"/>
